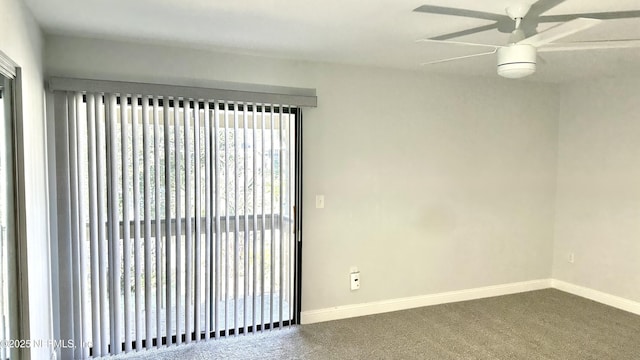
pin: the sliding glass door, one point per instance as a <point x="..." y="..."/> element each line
<point x="178" y="216"/>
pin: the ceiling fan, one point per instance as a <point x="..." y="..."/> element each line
<point x="518" y="58"/>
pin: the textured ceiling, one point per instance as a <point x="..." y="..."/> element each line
<point x="375" y="32"/>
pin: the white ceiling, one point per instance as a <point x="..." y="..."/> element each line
<point x="375" y="32"/>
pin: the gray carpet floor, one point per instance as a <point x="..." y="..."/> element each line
<point x="544" y="324"/>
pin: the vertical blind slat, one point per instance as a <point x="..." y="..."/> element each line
<point x="188" y="286"/>
<point x="198" y="215"/>
<point x="109" y="169"/>
<point x="263" y="212"/>
<point x="136" y="223"/>
<point x="63" y="190"/>
<point x="178" y="238"/>
<point x="126" y="237"/>
<point x="225" y="276"/>
<point x="291" y="227"/>
<point x="236" y="220"/>
<point x="158" y="227"/>
<point x="81" y="128"/>
<point x="146" y="145"/>
<point x="245" y="119"/>
<point x="299" y="202"/>
<point x="100" y="117"/>
<point x="289" y="218"/>
<point x="281" y="268"/>
<point x="167" y="220"/>
<point x="114" y="235"/>
<point x="218" y="235"/>
<point x="76" y="222"/>
<point x="284" y="216"/>
<point x="225" y="240"/>
<point x="93" y="223"/>
<point x="208" y="222"/>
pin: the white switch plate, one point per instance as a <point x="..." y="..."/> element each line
<point x="319" y="201"/>
<point x="571" y="258"/>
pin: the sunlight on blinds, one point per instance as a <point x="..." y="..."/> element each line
<point x="179" y="225"/>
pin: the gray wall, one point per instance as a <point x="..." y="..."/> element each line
<point x="598" y="201"/>
<point x="432" y="183"/>
<point x="21" y="40"/>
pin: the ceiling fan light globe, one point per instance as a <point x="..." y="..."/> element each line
<point x="516" y="61"/>
<point x="516" y="71"/>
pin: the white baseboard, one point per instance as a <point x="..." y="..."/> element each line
<point x="598" y="296"/>
<point x="378" y="307"/>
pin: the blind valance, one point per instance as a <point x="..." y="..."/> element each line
<point x="301" y="97"/>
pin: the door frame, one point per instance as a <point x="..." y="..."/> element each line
<point x="9" y="69"/>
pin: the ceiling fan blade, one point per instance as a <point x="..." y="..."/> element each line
<point x="601" y="16"/>
<point x="431" y="9"/>
<point x="560" y="31"/>
<point x="591" y="45"/>
<point x="465" y="32"/>
<point x="457" y="43"/>
<point x="459" y="58"/>
<point x="542" y="6"/>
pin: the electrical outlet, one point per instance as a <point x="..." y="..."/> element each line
<point x="571" y="258"/>
<point x="355" y="281"/>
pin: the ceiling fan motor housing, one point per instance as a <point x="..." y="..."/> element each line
<point x="516" y="61"/>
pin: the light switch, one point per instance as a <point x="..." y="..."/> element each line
<point x="319" y="201"/>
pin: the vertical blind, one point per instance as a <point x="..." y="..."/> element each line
<point x="176" y="216"/>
